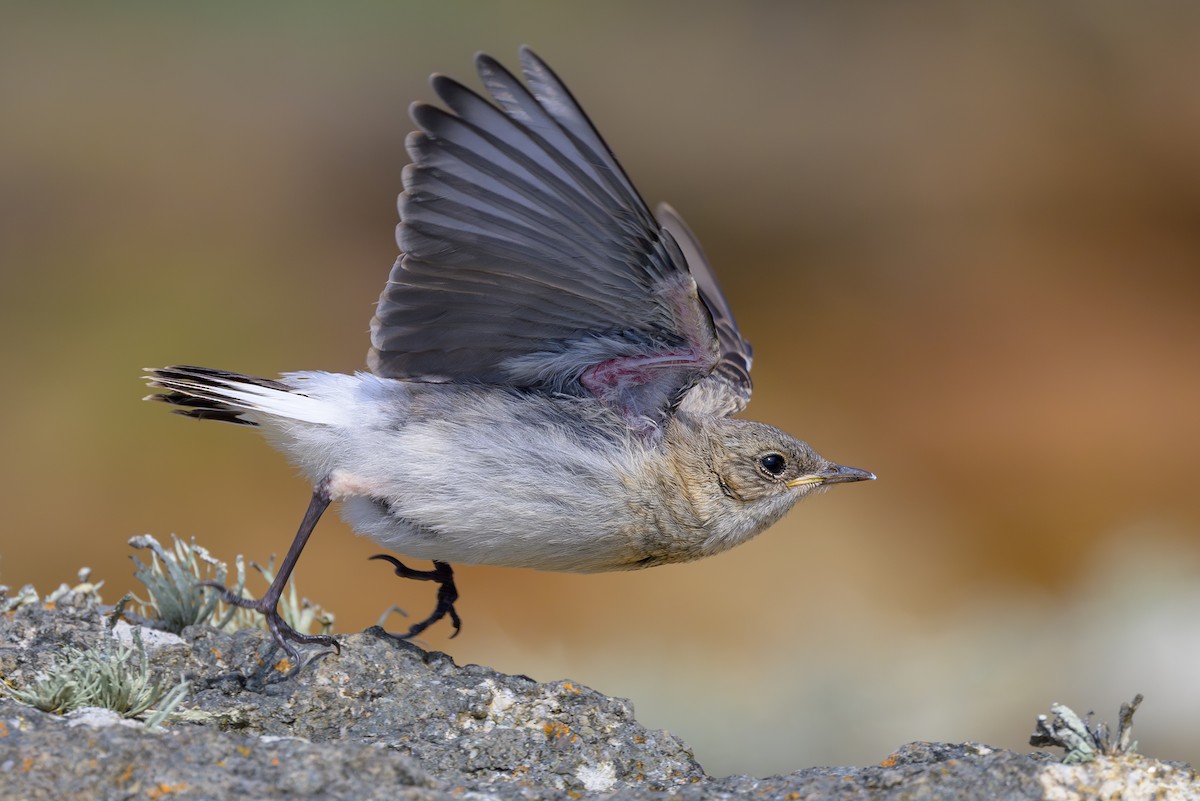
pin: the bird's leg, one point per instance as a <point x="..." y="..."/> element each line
<point x="443" y="574"/>
<point x="269" y="603"/>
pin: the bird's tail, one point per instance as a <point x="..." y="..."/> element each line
<point x="209" y="394"/>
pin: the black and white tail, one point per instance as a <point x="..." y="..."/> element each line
<point x="209" y="394"/>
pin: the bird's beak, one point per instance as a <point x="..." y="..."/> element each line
<point x="834" y="474"/>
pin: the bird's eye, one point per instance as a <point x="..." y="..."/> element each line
<point x="772" y="463"/>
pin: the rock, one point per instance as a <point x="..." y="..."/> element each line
<point x="385" y="719"/>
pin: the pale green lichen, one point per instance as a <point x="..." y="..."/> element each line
<point x="1083" y="744"/>
<point x="178" y="598"/>
<point x="115" y="675"/>
<point x="85" y="593"/>
<point x="111" y="675"/>
<point x="25" y="596"/>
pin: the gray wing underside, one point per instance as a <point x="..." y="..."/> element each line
<point x="528" y="259"/>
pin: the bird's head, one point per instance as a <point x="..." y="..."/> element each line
<point x="750" y="474"/>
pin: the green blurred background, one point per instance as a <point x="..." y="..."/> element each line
<point x="964" y="239"/>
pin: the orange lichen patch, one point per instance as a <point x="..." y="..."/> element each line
<point x="520" y="770"/>
<point x="221" y="764"/>
<point x="559" y="731"/>
<point x="27" y="764"/>
<point x="216" y="652"/>
<point x="274" y="762"/>
<point x="569" y="687"/>
<point x="283" y="665"/>
<point x="52" y="605"/>
<point x="126" y="774"/>
<point x="791" y="796"/>
<point x="165" y="789"/>
<point x="3" y="729"/>
<point x="889" y="762"/>
<point x="243" y="750"/>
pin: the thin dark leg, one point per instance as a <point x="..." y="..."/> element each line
<point x="447" y="594"/>
<point x="268" y="604"/>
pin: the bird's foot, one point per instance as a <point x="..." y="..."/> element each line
<point x="447" y="594"/>
<point x="280" y="630"/>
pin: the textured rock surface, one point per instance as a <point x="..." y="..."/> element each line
<point x="387" y="720"/>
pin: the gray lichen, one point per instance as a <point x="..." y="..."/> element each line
<point x="1083" y="744"/>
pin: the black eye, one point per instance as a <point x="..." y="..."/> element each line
<point x="772" y="463"/>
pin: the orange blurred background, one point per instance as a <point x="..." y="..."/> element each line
<point x="963" y="238"/>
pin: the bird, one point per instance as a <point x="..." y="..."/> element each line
<point x="553" y="370"/>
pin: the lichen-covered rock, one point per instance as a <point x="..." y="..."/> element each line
<point x="324" y="723"/>
<point x="463" y="724"/>
<point x="384" y="719"/>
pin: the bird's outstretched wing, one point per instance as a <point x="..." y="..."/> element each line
<point x="529" y="260"/>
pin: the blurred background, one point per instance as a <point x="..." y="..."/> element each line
<point x="964" y="239"/>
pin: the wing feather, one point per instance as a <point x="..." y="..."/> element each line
<point x="528" y="259"/>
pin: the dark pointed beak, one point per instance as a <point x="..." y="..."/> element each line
<point x="834" y="474"/>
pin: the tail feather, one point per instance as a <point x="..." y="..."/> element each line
<point x="200" y="408"/>
<point x="209" y="394"/>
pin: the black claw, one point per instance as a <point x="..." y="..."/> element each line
<point x="268" y="605"/>
<point x="447" y="594"/>
<point x="279" y="629"/>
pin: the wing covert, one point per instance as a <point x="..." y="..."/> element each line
<point x="726" y="390"/>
